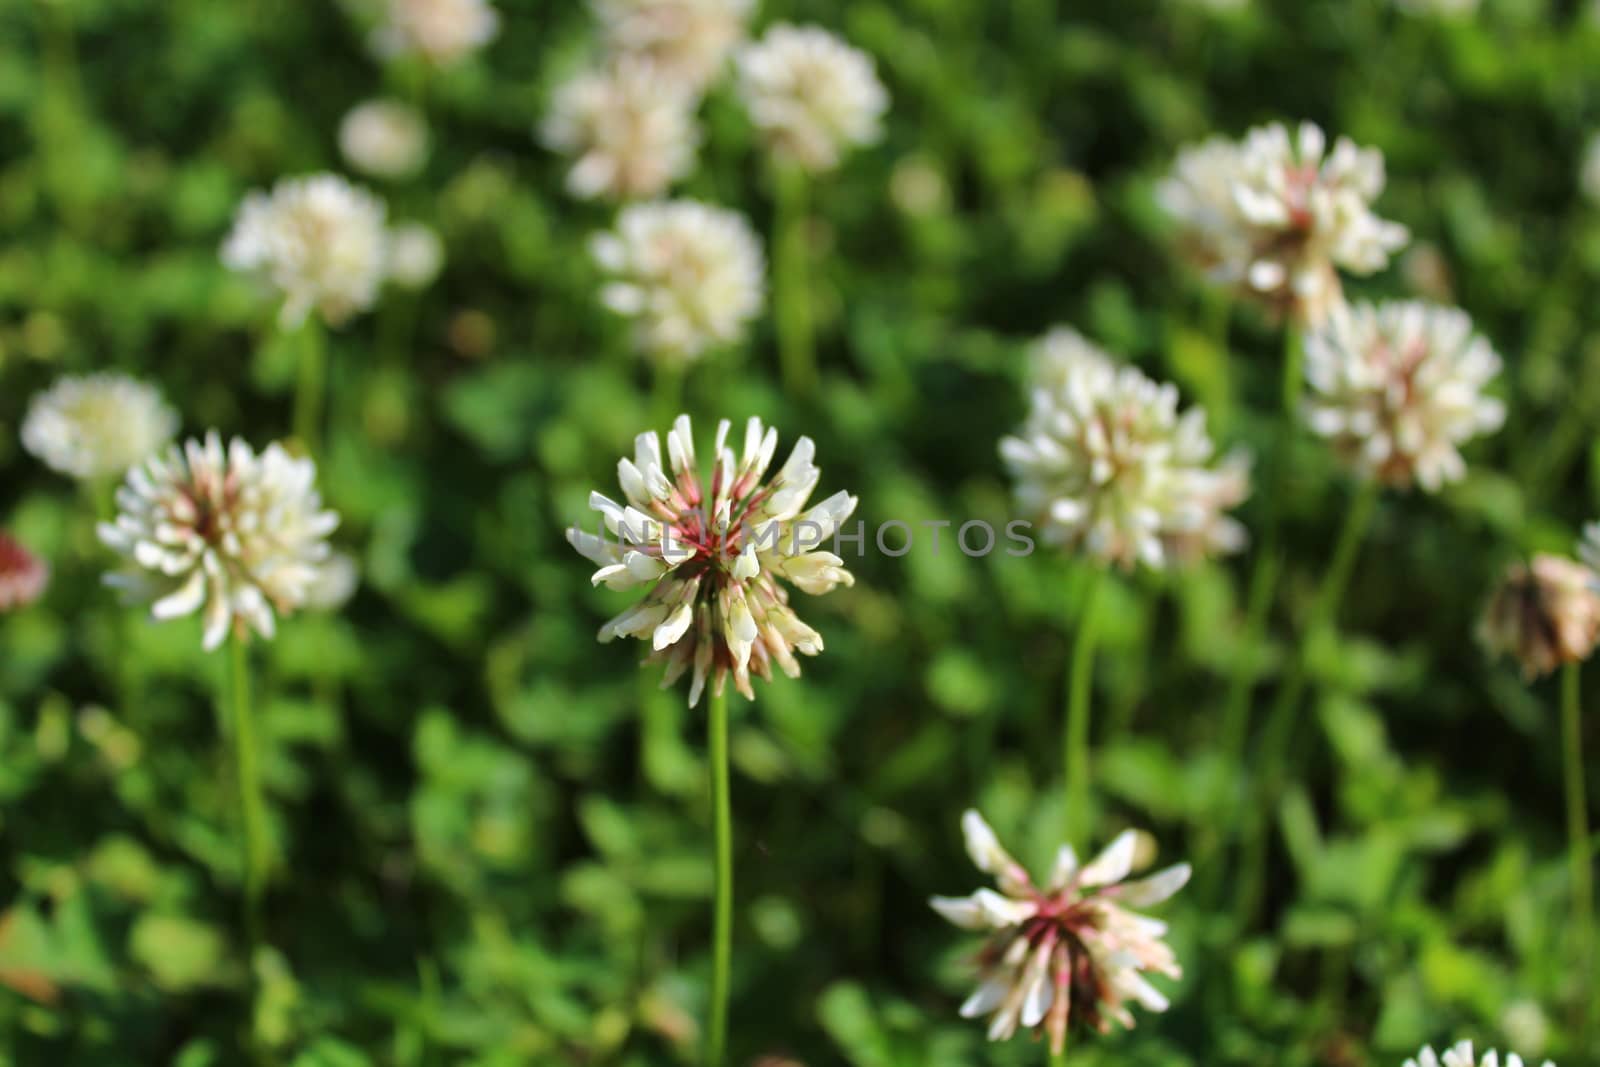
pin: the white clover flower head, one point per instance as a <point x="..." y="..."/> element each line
<point x="413" y="255"/>
<point x="1544" y="615"/>
<point x="1460" y="1055"/>
<point x="688" y="39"/>
<point x="1069" y="950"/>
<point x="384" y="138"/>
<point x="23" y="575"/>
<point x="1276" y="217"/>
<point x="98" y="425"/>
<point x="629" y="126"/>
<point x="239" y="536"/>
<point x="715" y="555"/>
<point x="1589" y="174"/>
<point x="689" y="275"/>
<point x="1399" y="387"/>
<point x="442" y="32"/>
<point x="317" y="240"/>
<point x="810" y="95"/>
<point x="1108" y="466"/>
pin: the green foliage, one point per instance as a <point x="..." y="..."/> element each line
<point x="490" y="832"/>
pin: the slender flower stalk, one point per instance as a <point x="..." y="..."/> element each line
<point x="722" y="851"/>
<point x="1580" y="846"/>
<point x="1075" y="757"/>
<point x="252" y="807"/>
<point x="1278" y="729"/>
<point x="310" y="386"/>
<point x="792" y="283"/>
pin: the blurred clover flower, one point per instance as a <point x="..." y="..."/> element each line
<point x="1068" y="951"/>
<point x="630" y="126"/>
<point x="335" y="584"/>
<point x="715" y="555"/>
<point x="1398" y="387"/>
<point x="317" y="240"/>
<point x="1589" y="174"/>
<point x="440" y="31"/>
<point x="98" y="425"/>
<point x="689" y="40"/>
<point x="810" y="95"/>
<point x="23" y="576"/>
<point x="240" y="537"/>
<point x="1109" y="466"/>
<point x="413" y="255"/>
<point x="1543" y="615"/>
<point x="1589" y="547"/>
<point x="1274" y="217"/>
<point x="384" y="138"/>
<point x="1461" y="1056"/>
<point x="690" y="275"/>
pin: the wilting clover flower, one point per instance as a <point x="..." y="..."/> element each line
<point x="412" y="255"/>
<point x="629" y="127"/>
<point x="690" y="276"/>
<point x="440" y="31"/>
<point x="1398" y="388"/>
<point x="810" y="95"/>
<point x="1544" y="614"/>
<point x="318" y="240"/>
<point x="238" y="536"/>
<point x="689" y="40"/>
<point x="23" y="576"/>
<point x="384" y="138"/>
<point x="97" y="425"/>
<point x="1461" y="1056"/>
<point x="1275" y="217"/>
<point x="1071" y="950"/>
<point x="715" y="555"/>
<point x="1109" y="467"/>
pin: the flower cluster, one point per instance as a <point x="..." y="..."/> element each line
<point x="23" y="576"/>
<point x="810" y="95"/>
<point x="689" y="40"/>
<point x="715" y="554"/>
<point x="1109" y="467"/>
<point x="1544" y="614"/>
<point x="1067" y="951"/>
<point x="689" y="275"/>
<point x="1275" y="217"/>
<point x="1461" y="1056"/>
<point x="412" y="255"/>
<point x="384" y="138"/>
<point x="97" y="426"/>
<point x="1398" y="388"/>
<point x="629" y="127"/>
<point x="318" y="241"/>
<point x="440" y="31"/>
<point x="235" y="535"/>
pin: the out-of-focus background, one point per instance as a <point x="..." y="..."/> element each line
<point x="490" y="830"/>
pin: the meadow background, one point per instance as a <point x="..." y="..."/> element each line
<point x="490" y="831"/>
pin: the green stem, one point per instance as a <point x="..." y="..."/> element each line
<point x="722" y="927"/>
<point x="251" y="807"/>
<point x="791" y="283"/>
<point x="1279" y="728"/>
<point x="1264" y="577"/>
<point x="1580" y="845"/>
<point x="311" y="386"/>
<point x="1076" y="739"/>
